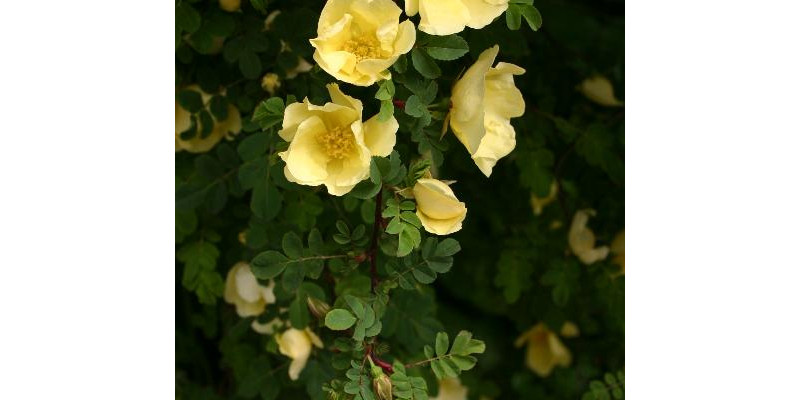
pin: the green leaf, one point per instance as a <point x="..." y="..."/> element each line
<point x="514" y="17"/>
<point x="425" y="64"/>
<point x="460" y="343"/>
<point x="446" y="48"/>
<point x="266" y="201"/>
<point x="269" y="112"/>
<point x="386" y="111"/>
<point x="442" y="343"/>
<point x="268" y="264"/>
<point x="339" y="319"/>
<point x="190" y="100"/>
<point x="219" y="107"/>
<point x="464" y="363"/>
<point x="253" y="146"/>
<point x="447" y="247"/>
<point x="385" y="90"/>
<point x="532" y="16"/>
<point x="292" y="245"/>
<point x="250" y="64"/>
<point x="186" y="17"/>
<point x="199" y="273"/>
<point x="414" y="107"/>
<point x="298" y="313"/>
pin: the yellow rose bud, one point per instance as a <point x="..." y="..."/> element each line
<point x="357" y="40"/>
<point x="317" y="307"/>
<point x="437" y="207"/>
<point x="445" y="17"/>
<point x="231" y="126"/>
<point x="381" y="385"/>
<point x="296" y="344"/>
<point x="330" y="145"/>
<point x="451" y="389"/>
<point x="243" y="290"/>
<point x="270" y="82"/>
<point x="618" y="249"/>
<point x="544" y="350"/>
<point x="599" y="90"/>
<point x="230" y="5"/>
<point x="538" y="203"/>
<point x="483" y="102"/>
<point x="581" y="239"/>
<point x="570" y="330"/>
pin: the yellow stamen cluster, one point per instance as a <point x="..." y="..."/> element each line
<point x="338" y="142"/>
<point x="364" y="46"/>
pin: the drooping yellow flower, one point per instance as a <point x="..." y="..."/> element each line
<point x="357" y="40"/>
<point x="243" y="290"/>
<point x="618" y="249"/>
<point x="451" y="389"/>
<point x="445" y="17"/>
<point x="545" y="350"/>
<point x="330" y="145"/>
<point x="599" y="90"/>
<point x="437" y="207"/>
<point x="270" y="82"/>
<point x="230" y="5"/>
<point x="581" y="239"/>
<point x="227" y="128"/>
<point x="296" y="344"/>
<point x="483" y="102"/>
<point x="538" y="203"/>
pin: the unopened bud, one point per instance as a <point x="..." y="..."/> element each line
<point x="382" y="385"/>
<point x="317" y="307"/>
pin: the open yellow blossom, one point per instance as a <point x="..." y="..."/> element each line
<point x="445" y="17"/>
<point x="437" y="207"/>
<point x="451" y="389"/>
<point x="581" y="239"/>
<point x="599" y="90"/>
<point x="227" y="128"/>
<point x="357" y="40"/>
<point x="483" y="102"/>
<point x="544" y="350"/>
<point x="538" y="203"/>
<point x="296" y="344"/>
<point x="618" y="249"/>
<point x="330" y="145"/>
<point x="243" y="290"/>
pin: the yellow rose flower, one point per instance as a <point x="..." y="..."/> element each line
<point x="243" y="290"/>
<point x="437" y="207"/>
<point x="296" y="344"/>
<point x="451" y="389"/>
<point x="538" y="203"/>
<point x="270" y="82"/>
<point x="581" y="239"/>
<point x="483" y="102"/>
<point x="357" y="40"/>
<point x="599" y="90"/>
<point x="330" y="145"/>
<point x="618" y="249"/>
<point x="445" y="17"/>
<point x="231" y="126"/>
<point x="230" y="5"/>
<point x="545" y="350"/>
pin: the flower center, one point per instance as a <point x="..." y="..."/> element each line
<point x="337" y="142"/>
<point x="364" y="46"/>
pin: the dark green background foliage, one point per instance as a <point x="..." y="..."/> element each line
<point x="513" y="270"/>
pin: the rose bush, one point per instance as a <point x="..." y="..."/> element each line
<point x="340" y="243"/>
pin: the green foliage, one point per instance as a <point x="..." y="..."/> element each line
<point x="383" y="290"/>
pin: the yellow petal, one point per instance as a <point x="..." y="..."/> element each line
<point x="412" y="7"/>
<point x="451" y="389"/>
<point x="344" y="100"/>
<point x="582" y="241"/>
<point x="406" y="36"/>
<point x="304" y="159"/>
<point x="442" y="17"/>
<point x="599" y="90"/>
<point x="436" y="199"/>
<point x="380" y="136"/>
<point x="483" y="12"/>
<point x="246" y="285"/>
<point x="498" y="142"/>
<point x="466" y="114"/>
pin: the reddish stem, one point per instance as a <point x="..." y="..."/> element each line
<point x="399" y="103"/>
<point x="381" y="363"/>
